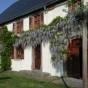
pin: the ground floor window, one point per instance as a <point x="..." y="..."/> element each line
<point x="17" y="53"/>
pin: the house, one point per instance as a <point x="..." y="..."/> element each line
<point x="26" y="15"/>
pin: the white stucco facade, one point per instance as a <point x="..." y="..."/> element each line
<point x="23" y="64"/>
<point x="10" y="27"/>
<point x="57" y="11"/>
<point x="46" y="63"/>
<point x="85" y="2"/>
<point x="26" y="24"/>
<point x="26" y="62"/>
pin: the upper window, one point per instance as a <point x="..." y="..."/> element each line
<point x="72" y="3"/>
<point x="35" y="21"/>
<point x="18" y="26"/>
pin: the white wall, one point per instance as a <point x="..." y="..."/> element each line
<point x="85" y="2"/>
<point x="26" y="63"/>
<point x="26" y="24"/>
<point x="58" y="11"/>
<point x="23" y="64"/>
<point x="10" y="27"/>
<point x="47" y="65"/>
<point x="46" y="57"/>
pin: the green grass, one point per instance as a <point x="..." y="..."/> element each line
<point x="16" y="80"/>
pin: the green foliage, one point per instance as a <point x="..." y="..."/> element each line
<point x="7" y="39"/>
<point x="55" y="21"/>
<point x="42" y="33"/>
<point x="58" y="32"/>
<point x="72" y="1"/>
<point x="52" y="23"/>
<point x="19" y="80"/>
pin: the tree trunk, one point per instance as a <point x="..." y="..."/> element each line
<point x="85" y="62"/>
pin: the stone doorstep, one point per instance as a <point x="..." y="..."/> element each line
<point x="75" y="83"/>
<point x="36" y="74"/>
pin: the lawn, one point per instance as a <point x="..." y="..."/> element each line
<point x="17" y="80"/>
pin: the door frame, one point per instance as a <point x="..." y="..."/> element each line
<point x="34" y="58"/>
<point x="71" y="62"/>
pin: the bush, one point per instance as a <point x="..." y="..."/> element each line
<point x="7" y="42"/>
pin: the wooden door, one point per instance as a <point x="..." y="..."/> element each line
<point x="36" y="52"/>
<point x="38" y="57"/>
<point x="74" y="58"/>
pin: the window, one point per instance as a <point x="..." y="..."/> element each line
<point x="18" y="26"/>
<point x="17" y="53"/>
<point x="71" y="6"/>
<point x="36" y="20"/>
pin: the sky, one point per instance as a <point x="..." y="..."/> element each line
<point x="4" y="4"/>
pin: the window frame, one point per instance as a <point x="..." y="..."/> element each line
<point x="36" y="20"/>
<point x="18" y="26"/>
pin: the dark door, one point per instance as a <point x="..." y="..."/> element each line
<point x="74" y="58"/>
<point x="37" y="57"/>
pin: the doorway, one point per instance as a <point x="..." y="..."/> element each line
<point x="74" y="58"/>
<point x="36" y="54"/>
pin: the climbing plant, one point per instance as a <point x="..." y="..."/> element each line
<point x="58" y="32"/>
<point x="39" y="35"/>
<point x="7" y="39"/>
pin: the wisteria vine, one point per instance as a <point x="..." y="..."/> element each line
<point x="57" y="34"/>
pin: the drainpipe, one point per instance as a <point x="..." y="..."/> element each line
<point x="45" y="9"/>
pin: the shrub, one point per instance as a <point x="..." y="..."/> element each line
<point x="7" y="39"/>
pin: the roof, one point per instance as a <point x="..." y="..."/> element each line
<point x="23" y="8"/>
